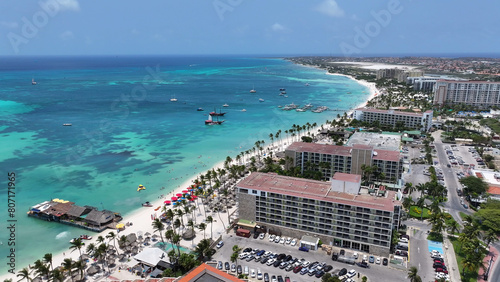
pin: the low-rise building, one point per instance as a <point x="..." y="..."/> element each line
<point x="363" y="220"/>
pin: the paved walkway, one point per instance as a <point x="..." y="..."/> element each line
<point x="493" y="253"/>
<point x="451" y="259"/>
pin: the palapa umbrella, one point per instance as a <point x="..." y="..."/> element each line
<point x="174" y="198"/>
<point x="147" y="234"/>
<point x="92" y="270"/>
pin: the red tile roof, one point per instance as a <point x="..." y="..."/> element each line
<point x="313" y="189"/>
<point x="385" y="155"/>
<point x="203" y="269"/>
<point x="494" y="190"/>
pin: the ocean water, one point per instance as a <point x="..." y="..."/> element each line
<point x="126" y="132"/>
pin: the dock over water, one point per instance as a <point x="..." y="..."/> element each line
<point x="66" y="212"/>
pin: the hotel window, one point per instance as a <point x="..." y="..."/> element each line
<point x="254" y="191"/>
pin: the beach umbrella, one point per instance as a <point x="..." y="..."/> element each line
<point x="167" y="202"/>
<point x="174" y="203"/>
<point x="174" y="198"/>
<point x="194" y="197"/>
<point x="185" y="191"/>
<point x="92" y="270"/>
<point x="120" y="226"/>
<point x="147" y="234"/>
<point x="179" y="194"/>
<point x="183" y="198"/>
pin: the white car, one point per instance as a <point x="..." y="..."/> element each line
<point x="270" y="262"/>
<point x="252" y="273"/>
<point x="355" y="255"/>
<point x="277" y="239"/>
<point x="351" y="273"/>
<point x="377" y="261"/>
<point x="271" y="238"/>
<point x="220" y="244"/>
<point x="282" y="240"/>
<point x="259" y="274"/>
<point x="246" y="270"/>
<point x="306" y="263"/>
<point x="404" y="240"/>
<point x="262" y="235"/>
<point x="365" y="257"/>
<point x="288" y="241"/>
<point x="293" y="243"/>
<point x="243" y="255"/>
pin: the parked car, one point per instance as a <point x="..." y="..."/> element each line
<point x="219" y="265"/>
<point x="259" y="274"/>
<point x="297" y="268"/>
<point x="441" y="270"/>
<point x="288" y="241"/>
<point x="271" y="237"/>
<point x="371" y="259"/>
<point x="233" y="267"/>
<point x="363" y="264"/>
<point x="343" y="271"/>
<point x="351" y="273"/>
<point x="262" y="235"/>
<point x="377" y="260"/>
<point x="220" y="244"/>
<point x="277" y="239"/>
<point x="327" y="268"/>
<point x="266" y="277"/>
<point x="342" y="252"/>
<point x="293" y="243"/>
<point x="227" y="266"/>
<point x="385" y="261"/>
<point x="304" y="249"/>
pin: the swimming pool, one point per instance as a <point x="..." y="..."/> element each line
<point x="435" y="246"/>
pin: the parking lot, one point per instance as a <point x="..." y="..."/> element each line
<point x="376" y="272"/>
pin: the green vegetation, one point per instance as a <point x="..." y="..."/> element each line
<point x="416" y="212"/>
<point x="329" y="278"/>
<point x="492" y="123"/>
<point x="489" y="216"/>
<point x="474" y="186"/>
<point x="471" y="275"/>
<point x="435" y="236"/>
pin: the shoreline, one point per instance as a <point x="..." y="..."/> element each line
<point x="137" y="216"/>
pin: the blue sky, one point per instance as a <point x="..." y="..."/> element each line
<point x="279" y="27"/>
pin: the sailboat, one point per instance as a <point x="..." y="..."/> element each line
<point x="253" y="89"/>
<point x="173" y="99"/>
<point x="211" y="121"/>
<point x="33" y="82"/>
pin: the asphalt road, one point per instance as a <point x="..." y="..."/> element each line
<point x="374" y="273"/>
<point x="419" y="251"/>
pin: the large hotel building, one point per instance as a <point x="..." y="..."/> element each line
<point x="339" y="212"/>
<point x="420" y="121"/>
<point x="347" y="159"/>
<point x="482" y="94"/>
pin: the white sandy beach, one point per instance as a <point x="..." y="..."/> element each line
<point x="376" y="66"/>
<point x="141" y="218"/>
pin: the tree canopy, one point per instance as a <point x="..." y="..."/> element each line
<point x="489" y="216"/>
<point x="474" y="186"/>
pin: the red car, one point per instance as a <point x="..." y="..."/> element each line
<point x="441" y="270"/>
<point x="297" y="269"/>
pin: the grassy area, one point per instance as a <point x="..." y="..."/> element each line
<point x="416" y="212"/>
<point x="469" y="276"/>
<point x="436" y="237"/>
<point x="491" y="123"/>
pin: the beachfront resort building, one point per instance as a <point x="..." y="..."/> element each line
<point x="330" y="159"/>
<point x="339" y="212"/>
<point x="399" y="74"/>
<point x="481" y="94"/>
<point x="419" y="121"/>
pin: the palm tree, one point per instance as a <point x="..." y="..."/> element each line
<point x="176" y="239"/>
<point x="47" y="258"/>
<point x="41" y="269"/>
<point x="413" y="274"/>
<point x="210" y="220"/>
<point x="407" y="202"/>
<point x="421" y="205"/>
<point x="453" y="227"/>
<point x="80" y="265"/>
<point x="122" y="241"/>
<point x="490" y="237"/>
<point x="202" y="250"/>
<point x="112" y="236"/>
<point x="202" y="226"/>
<point x="24" y="274"/>
<point x="158" y="226"/>
<point x="77" y="244"/>
<point x="100" y="239"/>
<point x="169" y="235"/>
<point x="57" y="275"/>
<point x="68" y="265"/>
<point x="235" y="254"/>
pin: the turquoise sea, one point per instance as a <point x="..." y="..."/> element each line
<point x="125" y="130"/>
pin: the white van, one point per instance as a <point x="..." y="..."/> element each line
<point x="246" y="270"/>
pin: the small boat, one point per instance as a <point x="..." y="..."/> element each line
<point x="349" y="92"/>
<point x="261" y="100"/>
<point x="67" y="124"/>
<point x="217" y="114"/>
<point x="244" y="110"/>
<point x="307" y="84"/>
<point x="283" y="92"/>
<point x="33" y="82"/>
<point x="173" y="99"/>
<point x="211" y="121"/>
<point x="286" y="96"/>
<point x="141" y="187"/>
<point x="282" y="89"/>
<point x="199" y="109"/>
<point x="82" y="237"/>
<point x="147" y="204"/>
<point x="253" y="90"/>
<point x="225" y="105"/>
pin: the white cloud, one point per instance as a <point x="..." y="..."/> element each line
<point x="70" y="5"/>
<point x="66" y="35"/>
<point x="9" y="24"/>
<point x="278" y="27"/>
<point x="330" y="8"/>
